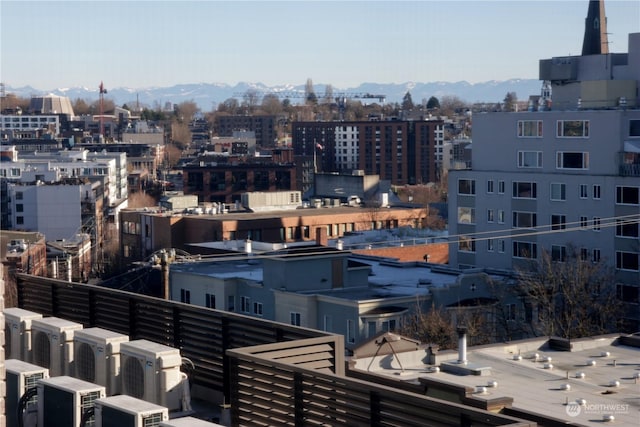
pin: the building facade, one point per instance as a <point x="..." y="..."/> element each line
<point x="402" y="152"/>
<point x="565" y="177"/>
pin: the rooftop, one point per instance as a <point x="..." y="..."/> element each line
<point x="599" y="377"/>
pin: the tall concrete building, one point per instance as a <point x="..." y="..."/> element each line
<point x="565" y="176"/>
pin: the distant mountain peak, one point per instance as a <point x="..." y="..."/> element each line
<point x="207" y="95"/>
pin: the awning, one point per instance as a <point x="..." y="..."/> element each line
<point x="632" y="146"/>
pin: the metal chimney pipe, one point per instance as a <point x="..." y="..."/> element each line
<point x="462" y="344"/>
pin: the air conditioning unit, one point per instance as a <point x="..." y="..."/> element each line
<point x="20" y="377"/>
<point x="151" y="372"/>
<point x="127" y="411"/>
<point x="62" y="401"/>
<point x="188" y="422"/>
<point x="17" y="331"/>
<point x="52" y="343"/>
<point x="97" y="357"/>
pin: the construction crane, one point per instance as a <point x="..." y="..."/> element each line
<point x="298" y="94"/>
<point x="340" y="98"/>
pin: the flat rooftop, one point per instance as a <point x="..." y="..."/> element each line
<point x="599" y="372"/>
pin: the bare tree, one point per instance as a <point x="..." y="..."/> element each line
<point x="250" y="99"/>
<point x="230" y="106"/>
<point x="271" y="104"/>
<point x="573" y="298"/>
<point x="80" y="107"/>
<point x="185" y="111"/>
<point x="180" y="135"/>
<point x="310" y="93"/>
<point x="438" y="325"/>
<point x="451" y="105"/>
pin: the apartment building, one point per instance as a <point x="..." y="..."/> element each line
<point x="402" y="152"/>
<point x="566" y="176"/>
<point x="264" y="126"/>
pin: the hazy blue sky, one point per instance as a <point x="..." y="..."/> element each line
<point x="139" y="44"/>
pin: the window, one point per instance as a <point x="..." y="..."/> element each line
<point x="185" y="296"/>
<point x="529" y="128"/>
<point x="584" y="222"/>
<point x="257" y="308"/>
<point x="500" y="187"/>
<point x="466" y="244"/>
<point x="572" y="160"/>
<point x="558" y="253"/>
<point x="525" y="250"/>
<point x="328" y="323"/>
<point x="627" y="260"/>
<point x="584" y="193"/>
<point x="295" y="318"/>
<point x="596" y="191"/>
<point x="490" y="186"/>
<point x="231" y="303"/>
<point x="634" y="127"/>
<point x="244" y="304"/>
<point x="467" y="187"/>
<point x="524" y="219"/>
<point x="558" y="191"/>
<point x="351" y="332"/>
<point x="627" y="228"/>
<point x="389" y="325"/>
<point x="466" y="215"/>
<point x="490" y="245"/>
<point x="489" y="215"/>
<point x="627" y="293"/>
<point x="210" y="300"/>
<point x="500" y="216"/>
<point x="529" y="159"/>
<point x="596" y="223"/>
<point x="19" y="195"/>
<point x="19" y="220"/>
<point x="573" y="129"/>
<point x="510" y="312"/>
<point x="525" y="190"/>
<point x="627" y="195"/>
<point x="558" y="222"/>
<point x="19" y="207"/>
<point x="596" y="255"/>
<point x="584" y="254"/>
<point x="501" y="245"/>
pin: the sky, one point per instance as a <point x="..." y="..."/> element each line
<point x="141" y="44"/>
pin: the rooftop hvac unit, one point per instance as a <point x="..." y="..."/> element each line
<point x="97" y="357"/>
<point x="17" y="331"/>
<point x="52" y="343"/>
<point x="127" y="411"/>
<point x="151" y="372"/>
<point x="188" y="422"/>
<point x="20" y="377"/>
<point x="62" y="401"/>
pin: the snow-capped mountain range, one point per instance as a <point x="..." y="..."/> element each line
<point x="208" y="95"/>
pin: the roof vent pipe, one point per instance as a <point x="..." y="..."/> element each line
<point x="462" y="344"/>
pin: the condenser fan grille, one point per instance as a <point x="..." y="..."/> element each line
<point x="86" y="363"/>
<point x="42" y="350"/>
<point x="133" y="377"/>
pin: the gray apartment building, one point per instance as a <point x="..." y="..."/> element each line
<point x="565" y="176"/>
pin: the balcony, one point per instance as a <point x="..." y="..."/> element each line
<point x="629" y="161"/>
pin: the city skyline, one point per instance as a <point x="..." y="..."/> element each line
<point x="49" y="45"/>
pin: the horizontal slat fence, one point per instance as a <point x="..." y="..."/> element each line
<point x="202" y="334"/>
